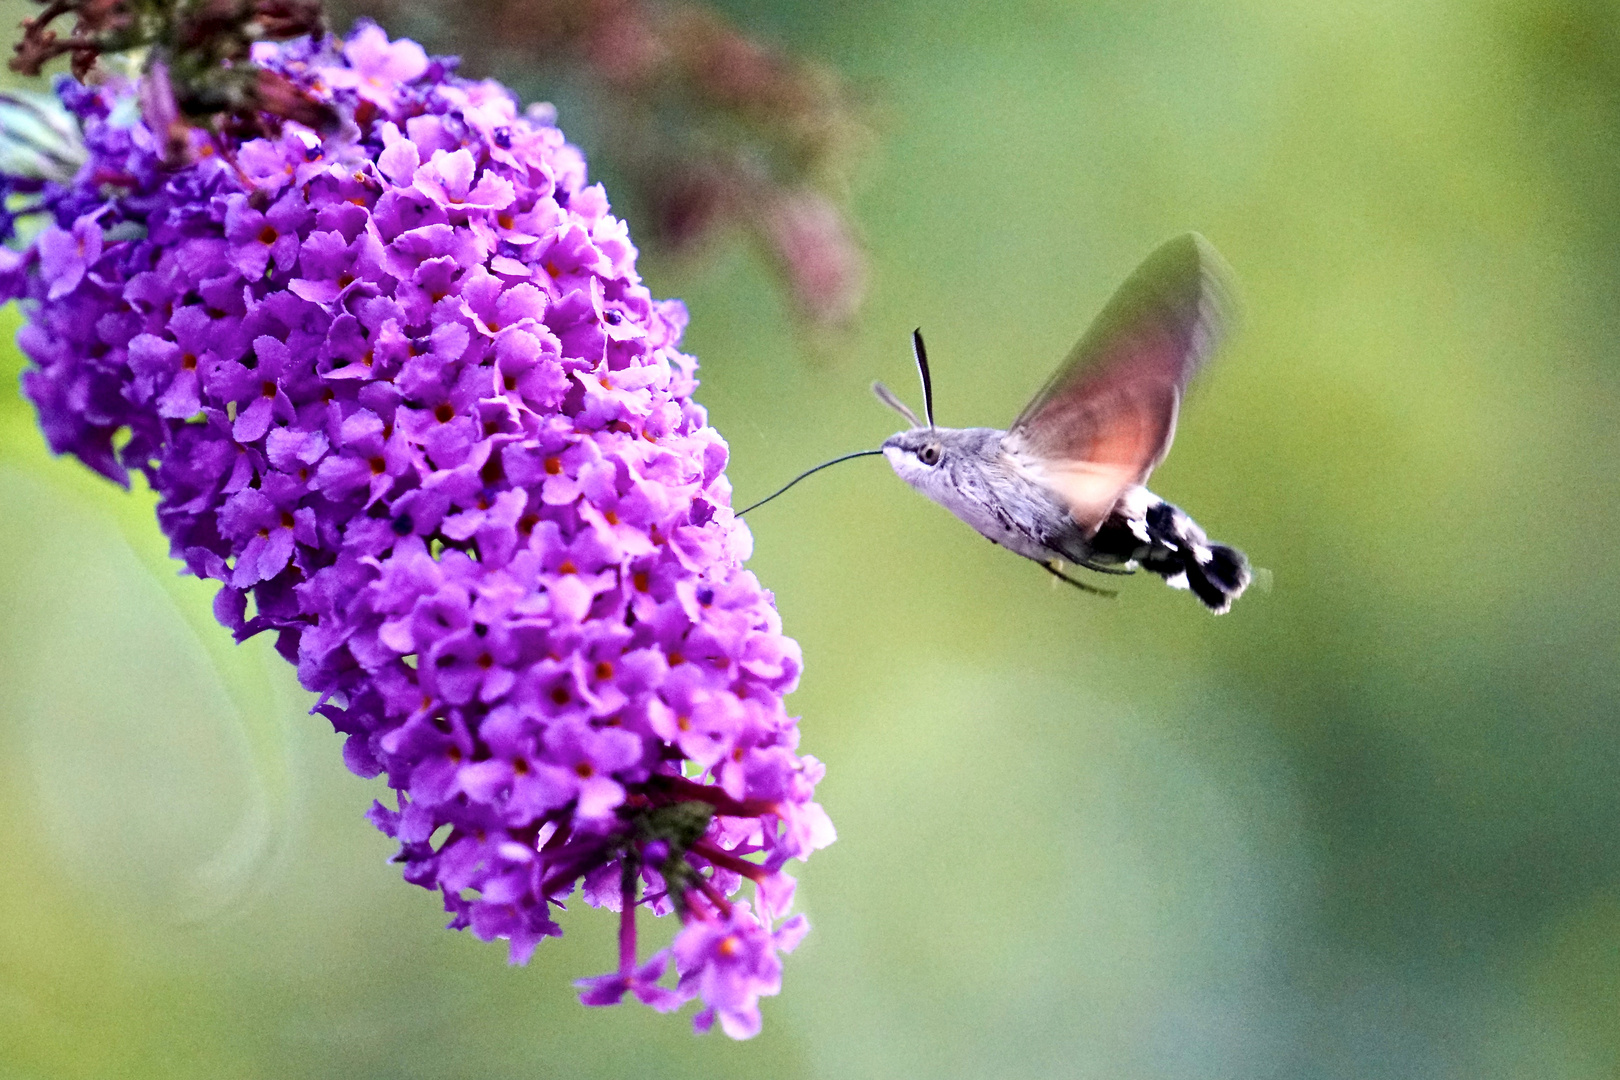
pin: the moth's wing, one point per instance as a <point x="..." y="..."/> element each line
<point x="1108" y="414"/>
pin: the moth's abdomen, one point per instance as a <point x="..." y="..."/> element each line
<point x="1164" y="540"/>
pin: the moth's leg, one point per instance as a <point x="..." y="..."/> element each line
<point x="1099" y="568"/>
<point x="1052" y="568"/>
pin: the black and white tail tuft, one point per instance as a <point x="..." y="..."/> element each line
<point x="1179" y="552"/>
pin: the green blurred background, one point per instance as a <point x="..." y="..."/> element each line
<point x="1364" y="826"/>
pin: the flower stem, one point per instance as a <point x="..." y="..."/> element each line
<point x="682" y="788"/>
<point x="725" y="859"/>
<point x="713" y="895"/>
<point x="628" y="883"/>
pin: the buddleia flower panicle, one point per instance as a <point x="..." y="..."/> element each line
<point x="403" y="395"/>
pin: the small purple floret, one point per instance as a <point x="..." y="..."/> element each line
<point x="402" y="393"/>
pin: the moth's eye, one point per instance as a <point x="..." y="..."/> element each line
<point x="929" y="455"/>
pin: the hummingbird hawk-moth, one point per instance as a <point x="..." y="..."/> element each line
<point x="1065" y="483"/>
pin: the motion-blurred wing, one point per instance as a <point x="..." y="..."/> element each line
<point x="1107" y="416"/>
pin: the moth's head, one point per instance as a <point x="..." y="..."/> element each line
<point x="932" y="460"/>
<point x="911" y="452"/>
<point x="915" y="452"/>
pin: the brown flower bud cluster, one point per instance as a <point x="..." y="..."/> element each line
<point x="197" y="55"/>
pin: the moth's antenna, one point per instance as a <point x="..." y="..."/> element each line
<point x="888" y="397"/>
<point x="928" y="380"/>
<point x="807" y="472"/>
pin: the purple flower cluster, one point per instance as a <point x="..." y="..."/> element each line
<point x="403" y="394"/>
